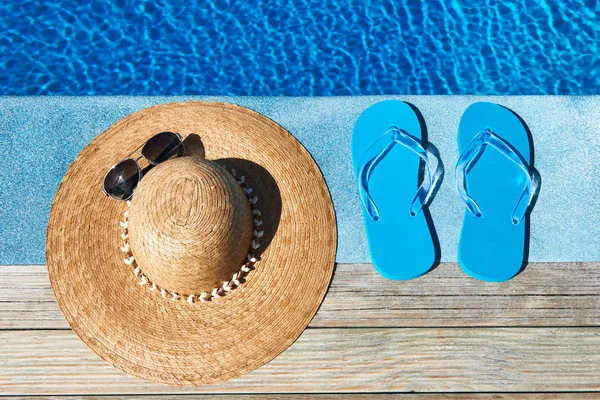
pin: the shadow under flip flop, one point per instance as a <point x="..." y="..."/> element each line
<point x="537" y="177"/>
<point x="438" y="177"/>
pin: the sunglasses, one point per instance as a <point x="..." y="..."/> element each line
<point x="122" y="179"/>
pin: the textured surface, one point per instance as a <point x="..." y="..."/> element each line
<point x="165" y="340"/>
<point x="41" y="136"/>
<point x="543" y="295"/>
<point x="426" y="335"/>
<point x="337" y="360"/>
<point x="190" y="225"/>
<point x="364" y="396"/>
<point x="290" y="47"/>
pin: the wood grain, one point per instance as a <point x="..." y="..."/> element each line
<point x="350" y="396"/>
<point x="337" y="360"/>
<point x="545" y="294"/>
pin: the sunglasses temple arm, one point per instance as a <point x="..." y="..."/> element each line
<point x="134" y="151"/>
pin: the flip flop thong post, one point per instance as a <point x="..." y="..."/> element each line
<point x="387" y="151"/>
<point x="494" y="181"/>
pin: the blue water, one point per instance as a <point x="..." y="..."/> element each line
<point x="297" y="48"/>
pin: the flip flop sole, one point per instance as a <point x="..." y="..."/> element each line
<point x="491" y="247"/>
<point x="400" y="245"/>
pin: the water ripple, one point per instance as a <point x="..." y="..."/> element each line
<point x="298" y="48"/>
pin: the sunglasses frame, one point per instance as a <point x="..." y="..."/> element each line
<point x="136" y="160"/>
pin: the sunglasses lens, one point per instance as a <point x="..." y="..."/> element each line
<point x="121" y="181"/>
<point x="162" y="147"/>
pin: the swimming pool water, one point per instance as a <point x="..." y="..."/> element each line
<point x="297" y="48"/>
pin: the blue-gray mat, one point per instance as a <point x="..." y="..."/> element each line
<point x="40" y="137"/>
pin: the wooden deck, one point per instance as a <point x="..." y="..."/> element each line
<point x="536" y="335"/>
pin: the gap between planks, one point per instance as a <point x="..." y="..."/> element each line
<point x="545" y="294"/>
<point x="351" y="396"/>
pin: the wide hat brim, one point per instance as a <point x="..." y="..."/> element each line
<point x="175" y="342"/>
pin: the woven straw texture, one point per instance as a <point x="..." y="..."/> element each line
<point x="190" y="225"/>
<point x="175" y="342"/>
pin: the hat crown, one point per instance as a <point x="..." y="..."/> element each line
<point x="186" y="211"/>
<point x="190" y="225"/>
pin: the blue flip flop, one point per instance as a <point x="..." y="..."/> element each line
<point x="494" y="180"/>
<point x="386" y="153"/>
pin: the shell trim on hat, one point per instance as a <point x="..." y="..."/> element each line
<point x="175" y="342"/>
<point x="216" y="292"/>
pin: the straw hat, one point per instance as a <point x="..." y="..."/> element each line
<point x="219" y="261"/>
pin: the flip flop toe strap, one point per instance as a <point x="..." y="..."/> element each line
<point x="377" y="152"/>
<point x="469" y="158"/>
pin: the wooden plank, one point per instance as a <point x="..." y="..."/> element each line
<point x="336" y="360"/>
<point x="545" y="294"/>
<point x="352" y="396"/>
